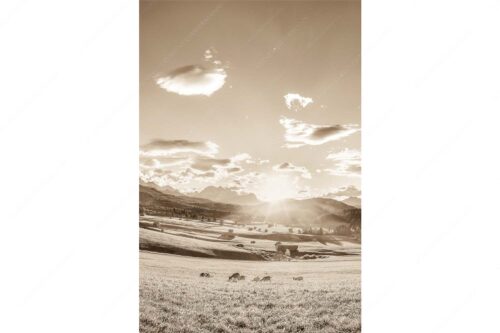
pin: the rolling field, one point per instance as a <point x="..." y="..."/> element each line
<point x="202" y="239"/>
<point x="174" y="298"/>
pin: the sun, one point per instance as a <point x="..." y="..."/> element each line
<point x="275" y="188"/>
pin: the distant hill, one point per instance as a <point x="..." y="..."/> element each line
<point x="163" y="189"/>
<point x="226" y="195"/>
<point x="309" y="212"/>
<point x="154" y="202"/>
<point x="353" y="201"/>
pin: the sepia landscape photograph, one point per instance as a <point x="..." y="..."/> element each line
<point x="250" y="166"/>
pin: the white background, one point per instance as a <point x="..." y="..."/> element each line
<point x="69" y="167"/>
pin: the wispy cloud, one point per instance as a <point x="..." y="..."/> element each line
<point x="205" y="164"/>
<point x="236" y="169"/>
<point x="162" y="162"/>
<point x="231" y="165"/>
<point x="347" y="163"/>
<point x="241" y="157"/>
<point x="183" y="163"/>
<point x="346" y="191"/>
<point x="243" y="181"/>
<point x="165" y="148"/>
<point x="257" y="161"/>
<point x="345" y="154"/>
<point x="193" y="80"/>
<point x="208" y="55"/>
<point x="298" y="133"/>
<point x="296" y="101"/>
<point x="289" y="167"/>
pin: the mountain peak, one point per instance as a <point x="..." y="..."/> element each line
<point x="353" y="201"/>
<point x="163" y="189"/>
<point x="226" y="195"/>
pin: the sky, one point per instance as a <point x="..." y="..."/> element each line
<point x="260" y="97"/>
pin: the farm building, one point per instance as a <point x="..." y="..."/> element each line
<point x="291" y="250"/>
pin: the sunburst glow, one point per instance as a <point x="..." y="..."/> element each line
<point x="277" y="187"/>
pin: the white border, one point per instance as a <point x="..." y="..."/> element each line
<point x="68" y="177"/>
<point x="69" y="138"/>
<point x="431" y="98"/>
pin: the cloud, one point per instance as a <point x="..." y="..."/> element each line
<point x="257" y="161"/>
<point x="296" y="101"/>
<point x="177" y="179"/>
<point x="235" y="169"/>
<point x="345" y="154"/>
<point x="193" y="80"/>
<point x="289" y="167"/>
<point x="348" y="169"/>
<point x="241" y="157"/>
<point x="248" y="179"/>
<point x="298" y="133"/>
<point x="305" y="193"/>
<point x="165" y="148"/>
<point x="208" y="55"/>
<point x="209" y="176"/>
<point x="162" y="162"/>
<point x="230" y="164"/>
<point x="206" y="164"/>
<point x="185" y="165"/>
<point x="347" y="163"/>
<point x="346" y="191"/>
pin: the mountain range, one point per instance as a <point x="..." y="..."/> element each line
<point x="162" y="189"/>
<point x="308" y="212"/>
<point x="346" y="197"/>
<point x="226" y="195"/>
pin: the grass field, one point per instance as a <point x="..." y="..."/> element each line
<point x="202" y="239"/>
<point x="174" y="298"/>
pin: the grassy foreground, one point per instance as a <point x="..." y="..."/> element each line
<point x="173" y="298"/>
